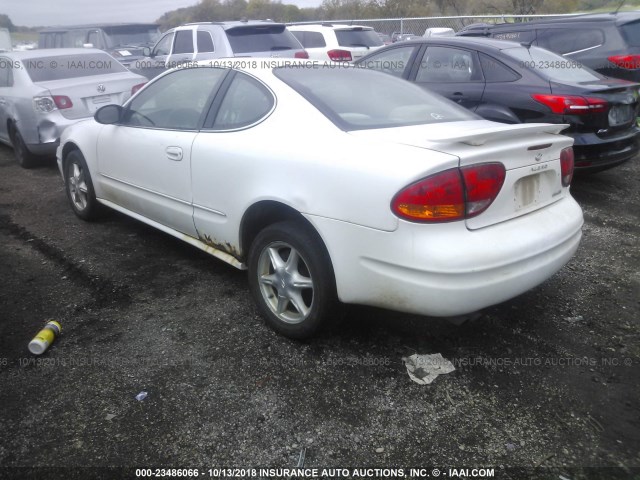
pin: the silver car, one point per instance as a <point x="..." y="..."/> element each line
<point x="43" y="91"/>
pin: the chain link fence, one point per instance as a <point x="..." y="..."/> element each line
<point x="417" y="26"/>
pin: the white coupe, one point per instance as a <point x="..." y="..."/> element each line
<point x="333" y="184"/>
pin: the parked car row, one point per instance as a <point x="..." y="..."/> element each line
<point x="513" y="83"/>
<point x="502" y="81"/>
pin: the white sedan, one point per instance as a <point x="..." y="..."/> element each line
<point x="333" y="184"/>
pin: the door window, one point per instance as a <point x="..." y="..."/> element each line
<point x="448" y="65"/>
<point x="175" y="101"/>
<point x="163" y="47"/>
<point x="184" y="42"/>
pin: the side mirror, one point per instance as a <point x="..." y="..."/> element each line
<point x="109" y="114"/>
<point x="146" y="52"/>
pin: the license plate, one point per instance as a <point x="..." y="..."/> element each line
<point x="527" y="191"/>
<point x="101" y="99"/>
<point x="620" y="114"/>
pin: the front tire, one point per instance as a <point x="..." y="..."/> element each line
<point x="291" y="279"/>
<point x="79" y="187"/>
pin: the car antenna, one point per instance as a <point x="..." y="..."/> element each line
<point x="619" y="7"/>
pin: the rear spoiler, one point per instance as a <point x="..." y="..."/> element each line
<point x="487" y="134"/>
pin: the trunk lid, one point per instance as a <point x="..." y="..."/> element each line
<point x="620" y="95"/>
<point x="90" y="93"/>
<point x="530" y="154"/>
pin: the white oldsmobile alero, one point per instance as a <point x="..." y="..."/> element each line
<point x="333" y="184"/>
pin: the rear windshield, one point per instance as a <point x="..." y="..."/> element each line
<point x="631" y="33"/>
<point x="552" y="66"/>
<point x="71" y="66"/>
<point x="268" y="38"/>
<point x="356" y="98"/>
<point x="358" y="38"/>
<point x="131" y="35"/>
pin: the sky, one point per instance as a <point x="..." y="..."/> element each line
<point x="31" y="13"/>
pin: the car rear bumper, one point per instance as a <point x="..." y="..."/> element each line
<point x="593" y="153"/>
<point x="45" y="137"/>
<point x="446" y="270"/>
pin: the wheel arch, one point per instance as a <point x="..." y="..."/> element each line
<point x="267" y="212"/>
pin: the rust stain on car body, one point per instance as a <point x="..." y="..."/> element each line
<point x="224" y="247"/>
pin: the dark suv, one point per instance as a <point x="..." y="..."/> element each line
<point x="125" y="41"/>
<point x="606" y="42"/>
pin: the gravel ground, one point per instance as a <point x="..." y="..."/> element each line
<point x="545" y="386"/>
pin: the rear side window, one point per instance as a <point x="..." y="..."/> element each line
<point x="394" y="61"/>
<point x="205" y="44"/>
<point x="261" y="38"/>
<point x="358" y="38"/>
<point x="184" y="42"/>
<point x="496" y="71"/>
<point x="71" y="66"/>
<point x="310" y="39"/>
<point x="566" y="42"/>
<point x="552" y="66"/>
<point x="245" y="103"/>
<point x="631" y="33"/>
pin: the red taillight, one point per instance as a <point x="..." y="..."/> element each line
<point x="571" y="104"/>
<point x="62" y="101"/>
<point x="482" y="183"/>
<point x="339" y="55"/>
<point x="302" y="54"/>
<point x="451" y="195"/>
<point x="628" y="62"/>
<point x="135" y="88"/>
<point x="566" y="166"/>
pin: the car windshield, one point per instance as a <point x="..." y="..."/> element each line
<point x="551" y="66"/>
<point x="261" y="38"/>
<point x="134" y="35"/>
<point x="358" y="38"/>
<point x="356" y="99"/>
<point x="43" y="69"/>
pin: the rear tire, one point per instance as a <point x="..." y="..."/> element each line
<point x="291" y="279"/>
<point x="79" y="187"/>
<point x="25" y="158"/>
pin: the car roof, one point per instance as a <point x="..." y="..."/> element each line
<point x="52" y="52"/>
<point x="619" y="18"/>
<point x="236" y="23"/>
<point x="64" y="28"/>
<point x="474" y="42"/>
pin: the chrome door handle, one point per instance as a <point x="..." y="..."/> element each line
<point x="174" y="153"/>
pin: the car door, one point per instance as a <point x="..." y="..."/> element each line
<point x="452" y="72"/>
<point x="221" y="158"/>
<point x="161" y="50"/>
<point x="145" y="161"/>
<point x="183" y="48"/>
